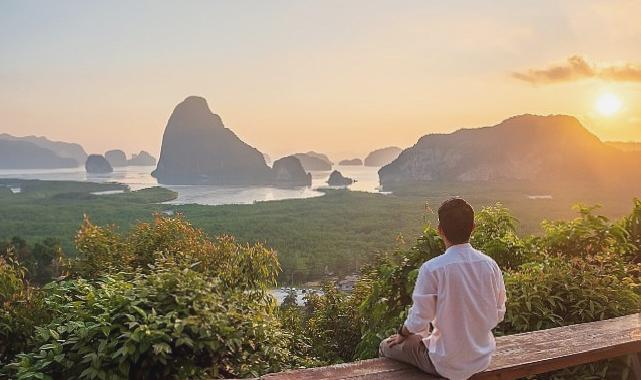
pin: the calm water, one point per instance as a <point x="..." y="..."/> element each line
<point x="139" y="177"/>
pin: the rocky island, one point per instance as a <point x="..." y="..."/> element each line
<point x="289" y="170"/>
<point x="97" y="164"/>
<point x="116" y="158"/>
<point x="337" y="179"/>
<point x="142" y="159"/>
<point x="198" y="149"/>
<point x="314" y="161"/>
<point x="352" y="162"/>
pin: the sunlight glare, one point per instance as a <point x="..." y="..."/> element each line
<point x="608" y="104"/>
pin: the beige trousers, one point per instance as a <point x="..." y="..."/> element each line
<point x="412" y="351"/>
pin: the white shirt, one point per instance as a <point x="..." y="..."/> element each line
<point x="462" y="293"/>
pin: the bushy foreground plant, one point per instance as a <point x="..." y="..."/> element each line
<point x="21" y="307"/>
<point x="162" y="301"/>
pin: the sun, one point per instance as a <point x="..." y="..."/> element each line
<point x="608" y="104"/>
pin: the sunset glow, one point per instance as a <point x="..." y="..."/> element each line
<point x="608" y="104"/>
<point x="323" y="78"/>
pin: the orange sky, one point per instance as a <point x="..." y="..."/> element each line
<point x="337" y="77"/>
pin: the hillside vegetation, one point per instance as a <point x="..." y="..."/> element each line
<point x="336" y="233"/>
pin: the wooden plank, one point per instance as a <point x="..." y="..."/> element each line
<point x="517" y="355"/>
<point x="374" y="369"/>
<point x="548" y="350"/>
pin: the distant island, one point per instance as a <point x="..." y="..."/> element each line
<point x="352" y="162"/>
<point x="118" y="158"/>
<point x="33" y="152"/>
<point x="382" y="157"/>
<point x="289" y="170"/>
<point x="98" y="164"/>
<point x="198" y="149"/>
<point x="336" y="178"/>
<point x="314" y="161"/>
<point x="142" y="159"/>
<point x="525" y="147"/>
<point x="27" y="155"/>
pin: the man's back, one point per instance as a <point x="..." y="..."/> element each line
<point x="462" y="294"/>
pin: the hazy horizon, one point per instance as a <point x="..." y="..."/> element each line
<point x="339" y="78"/>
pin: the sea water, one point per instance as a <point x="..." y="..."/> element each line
<point x="139" y="177"/>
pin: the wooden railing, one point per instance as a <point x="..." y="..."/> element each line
<point x="516" y="355"/>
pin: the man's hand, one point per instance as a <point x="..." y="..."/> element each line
<point x="396" y="339"/>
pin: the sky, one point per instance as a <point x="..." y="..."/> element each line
<point x="340" y="77"/>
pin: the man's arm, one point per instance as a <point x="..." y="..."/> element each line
<point x="424" y="297"/>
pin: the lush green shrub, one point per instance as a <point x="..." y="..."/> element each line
<point x="585" y="236"/>
<point x="41" y="261"/>
<point x="559" y="291"/>
<point x="333" y="325"/>
<point x="21" y="308"/>
<point x="495" y="235"/>
<point x="169" y="323"/>
<point x="162" y="301"/>
<point x="173" y="241"/>
<point x="632" y="225"/>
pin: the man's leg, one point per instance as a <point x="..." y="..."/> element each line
<point x="412" y="351"/>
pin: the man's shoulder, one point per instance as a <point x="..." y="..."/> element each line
<point x="434" y="263"/>
<point x="485" y="257"/>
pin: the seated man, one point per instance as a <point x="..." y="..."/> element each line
<point x="461" y="295"/>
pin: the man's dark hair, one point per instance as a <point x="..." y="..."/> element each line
<point x="456" y="219"/>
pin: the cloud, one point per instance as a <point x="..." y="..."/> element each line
<point x="578" y="68"/>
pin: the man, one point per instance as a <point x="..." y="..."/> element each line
<point x="462" y="295"/>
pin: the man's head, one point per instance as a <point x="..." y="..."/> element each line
<point x="455" y="221"/>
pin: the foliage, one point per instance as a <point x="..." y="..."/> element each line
<point x="170" y="323"/>
<point x="177" y="305"/>
<point x="632" y="225"/>
<point x="22" y="307"/>
<point x="41" y="262"/>
<point x="332" y="324"/>
<point x="337" y="233"/>
<point x="585" y="236"/>
<point x="496" y="236"/>
<point x="560" y="291"/>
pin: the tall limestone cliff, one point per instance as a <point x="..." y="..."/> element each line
<point x="198" y="149"/>
<point x="525" y="147"/>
